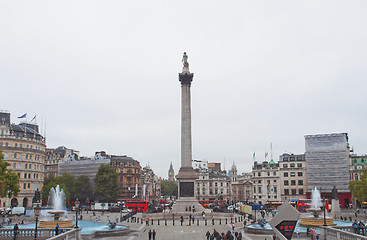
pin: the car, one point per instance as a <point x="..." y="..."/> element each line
<point x="125" y="210"/>
<point x="114" y="209"/>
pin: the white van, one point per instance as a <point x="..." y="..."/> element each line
<point x="15" y="210"/>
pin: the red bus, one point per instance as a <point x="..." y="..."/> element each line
<point x="139" y="206"/>
<point x="207" y="203"/>
<point x="304" y="204"/>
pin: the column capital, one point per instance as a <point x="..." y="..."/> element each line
<point x="185" y="78"/>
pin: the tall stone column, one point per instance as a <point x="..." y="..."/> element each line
<point x="186" y="175"/>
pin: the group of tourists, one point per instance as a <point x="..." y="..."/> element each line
<point x="152" y="234"/>
<point x="358" y="227"/>
<point x="234" y="235"/>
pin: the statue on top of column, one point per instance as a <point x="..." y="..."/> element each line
<point x="185" y="64"/>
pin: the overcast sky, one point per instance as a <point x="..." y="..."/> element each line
<point x="104" y="75"/>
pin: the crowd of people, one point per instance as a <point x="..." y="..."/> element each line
<point x="229" y="235"/>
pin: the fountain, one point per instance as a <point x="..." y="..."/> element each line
<point x="56" y="200"/>
<point x="315" y="219"/>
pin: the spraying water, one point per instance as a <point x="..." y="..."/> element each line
<point x="316" y="199"/>
<point x="56" y="199"/>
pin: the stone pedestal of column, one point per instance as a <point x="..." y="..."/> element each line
<point x="335" y="209"/>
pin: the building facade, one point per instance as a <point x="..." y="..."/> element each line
<point x="327" y="159"/>
<point x="356" y="166"/>
<point x="128" y="176"/>
<point x="293" y="181"/>
<point x="241" y="186"/>
<point x="25" y="149"/>
<point x="151" y="189"/>
<point x="54" y="157"/>
<point x="213" y="186"/>
<point x="266" y="182"/>
<point x="202" y="165"/>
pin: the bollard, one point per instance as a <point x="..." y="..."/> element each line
<point x="206" y="223"/>
<point x="137" y="220"/>
<point x="181" y="223"/>
<point x="197" y="222"/>
<point x="235" y="219"/>
<point x="189" y="222"/>
<point x="231" y="220"/>
<point x="152" y="222"/>
<point x="213" y="221"/>
<point x="226" y="221"/>
<point x="220" y="221"/>
<point x="165" y="222"/>
<point x="173" y="222"/>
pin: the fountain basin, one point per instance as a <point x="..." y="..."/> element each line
<point x="52" y="224"/>
<point x="316" y="222"/>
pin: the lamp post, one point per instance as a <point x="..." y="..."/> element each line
<point x="77" y="204"/>
<point x="324" y="208"/>
<point x="37" y="212"/>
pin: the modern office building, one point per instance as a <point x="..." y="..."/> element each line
<point x="24" y="148"/>
<point x="327" y="161"/>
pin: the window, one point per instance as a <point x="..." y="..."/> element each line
<point x="259" y="174"/>
<point x="300" y="174"/>
<point x="275" y="190"/>
<point x="285" y="159"/>
<point x="293" y="182"/>
<point x="294" y="191"/>
<point x="274" y="173"/>
<point x="210" y="184"/>
<point x="29" y="185"/>
<point x="19" y="165"/>
<point x="25" y="175"/>
<point x="285" y="165"/>
<point x="216" y="184"/>
<point x="268" y="173"/>
<point x="293" y="174"/>
<point x="300" y="182"/>
<point x="221" y="184"/>
<point x="292" y="159"/>
<point x="1" y="144"/>
<point x="300" y="191"/>
<point x="299" y="164"/>
<point x="15" y="155"/>
<point x="14" y="165"/>
<point x="24" y="185"/>
<point x="26" y="165"/>
<point x="285" y="174"/>
<point x="5" y="155"/>
<point x="275" y="181"/>
<point x="286" y="191"/>
<point x="16" y="145"/>
<point x="259" y="189"/>
<point x="286" y="182"/>
<point x="259" y="181"/>
<point x="6" y="144"/>
<point x="20" y="145"/>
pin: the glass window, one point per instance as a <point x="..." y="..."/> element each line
<point x="293" y="182"/>
<point x="285" y="174"/>
<point x="300" y="191"/>
<point x="259" y="189"/>
<point x="299" y="164"/>
<point x="294" y="191"/>
<point x="15" y="155"/>
<point x="14" y="165"/>
<point x="300" y="182"/>
<point x="293" y="174"/>
<point x="292" y="165"/>
<point x="274" y="173"/>
<point x="286" y="182"/>
<point x="19" y="165"/>
<point x="20" y="145"/>
<point x="16" y="145"/>
<point x="300" y="174"/>
<point x="26" y="165"/>
<point x="24" y="185"/>
<point x="286" y="191"/>
<point x="25" y="175"/>
<point x="5" y="155"/>
<point x="1" y="143"/>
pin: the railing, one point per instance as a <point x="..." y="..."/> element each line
<point x="342" y="233"/>
<point x="42" y="234"/>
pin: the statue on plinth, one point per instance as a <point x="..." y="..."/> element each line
<point x="37" y="196"/>
<point x="185" y="64"/>
<point x="334" y="193"/>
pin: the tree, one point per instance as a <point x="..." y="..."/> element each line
<point x="105" y="183"/>
<point x="68" y="180"/>
<point x="359" y="187"/>
<point x="169" y="188"/>
<point x="82" y="188"/>
<point x="9" y="181"/>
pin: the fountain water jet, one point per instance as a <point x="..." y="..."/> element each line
<point x="315" y="220"/>
<point x="56" y="200"/>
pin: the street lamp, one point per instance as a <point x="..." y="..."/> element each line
<point x="324" y="208"/>
<point x="77" y="204"/>
<point x="37" y="212"/>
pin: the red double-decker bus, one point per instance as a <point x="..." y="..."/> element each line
<point x="139" y="206"/>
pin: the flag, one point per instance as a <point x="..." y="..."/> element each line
<point x="253" y="155"/>
<point x="34" y="118"/>
<point x="23" y="116"/>
<point x="266" y="154"/>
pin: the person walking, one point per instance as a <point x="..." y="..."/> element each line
<point x="355" y="226"/>
<point x="361" y="227"/>
<point x="207" y="235"/>
<point x="15" y="229"/>
<point x="150" y="234"/>
<point x="154" y="233"/>
<point x="239" y="236"/>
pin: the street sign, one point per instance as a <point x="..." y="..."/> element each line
<point x="284" y="223"/>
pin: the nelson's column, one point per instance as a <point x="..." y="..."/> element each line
<point x="186" y="175"/>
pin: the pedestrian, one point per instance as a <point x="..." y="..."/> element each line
<point x="232" y="226"/>
<point x="274" y="237"/>
<point x="224" y="237"/>
<point x="15" y="229"/>
<point x="57" y="229"/>
<point x="297" y="233"/>
<point x="193" y="219"/>
<point x="147" y="221"/>
<point x="236" y="235"/>
<point x="361" y="227"/>
<point x="207" y="235"/>
<point x="190" y="217"/>
<point x="154" y="233"/>
<point x="186" y="208"/>
<point x="193" y="209"/>
<point x="182" y="220"/>
<point x="355" y="226"/>
<point x="239" y="236"/>
<point x="189" y="208"/>
<point x="150" y="234"/>
<point x="117" y="219"/>
<point x="212" y="237"/>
